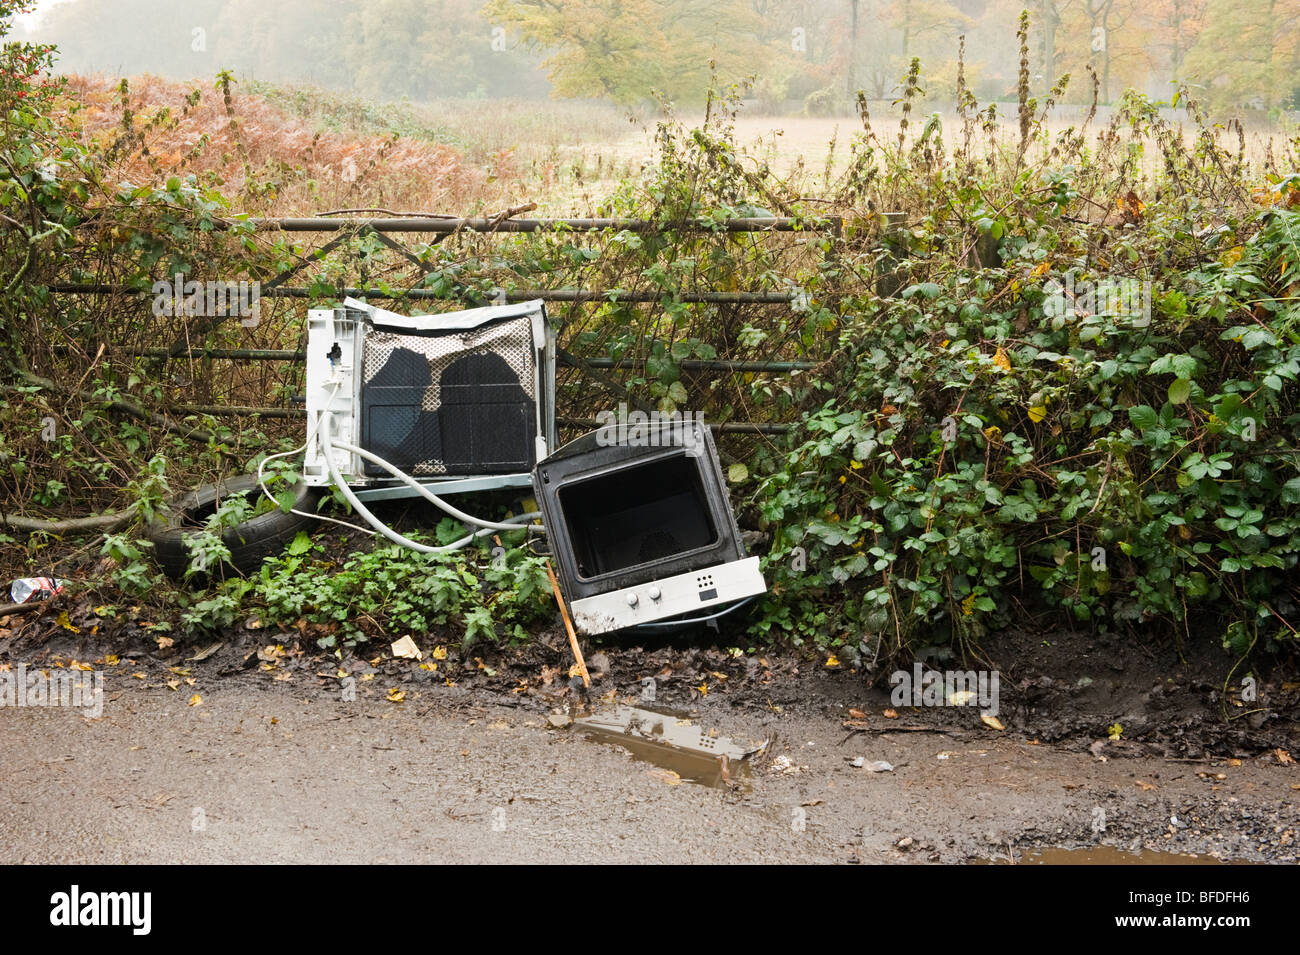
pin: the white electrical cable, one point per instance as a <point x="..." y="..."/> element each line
<point x="423" y="490"/>
<point x="311" y="433"/>
<point x="327" y="448"/>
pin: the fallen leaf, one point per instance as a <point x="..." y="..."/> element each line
<point x="1283" y="756"/>
<point x="665" y="776"/>
<point x="65" y="623"/>
<point x="439" y="653"/>
<point x="195" y="700"/>
<point x="112" y="659"/>
<point x="891" y="714"/>
<point x="395" y="695"/>
<point x="832" y="660"/>
<point x="173" y="684"/>
<point x="1145" y="786"/>
<point x="857" y="714"/>
<point x="1001" y="360"/>
<point x="991" y="721"/>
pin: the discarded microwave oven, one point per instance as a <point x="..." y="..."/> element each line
<point x="640" y="526"/>
<point x="461" y="401"/>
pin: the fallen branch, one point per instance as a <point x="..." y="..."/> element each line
<point x="8" y="610"/>
<point x="100" y="522"/>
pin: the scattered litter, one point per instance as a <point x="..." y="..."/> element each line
<point x="406" y="649"/>
<point x="874" y="766"/>
<point x="34" y="588"/>
<point x="784" y="766"/>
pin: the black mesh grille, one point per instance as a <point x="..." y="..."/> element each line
<point x="462" y="402"/>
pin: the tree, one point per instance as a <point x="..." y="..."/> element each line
<point x="1248" y="52"/>
<point x="625" y="49"/>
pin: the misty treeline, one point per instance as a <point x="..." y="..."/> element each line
<point x="808" y="55"/>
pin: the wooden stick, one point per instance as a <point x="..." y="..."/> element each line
<point x="10" y="609"/>
<point x="568" y="626"/>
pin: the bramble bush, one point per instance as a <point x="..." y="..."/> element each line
<point x="1055" y="363"/>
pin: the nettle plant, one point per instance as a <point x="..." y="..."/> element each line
<point x="485" y="593"/>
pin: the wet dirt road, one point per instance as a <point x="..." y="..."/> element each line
<point x="280" y="774"/>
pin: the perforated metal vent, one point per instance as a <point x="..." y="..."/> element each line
<point x="451" y="403"/>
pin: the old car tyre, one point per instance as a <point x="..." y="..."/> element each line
<point x="250" y="542"/>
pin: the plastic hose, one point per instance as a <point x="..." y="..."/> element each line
<point x="327" y="447"/>
<point x="423" y="490"/>
<point x="311" y="434"/>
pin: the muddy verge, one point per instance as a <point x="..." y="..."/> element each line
<point x="1092" y="746"/>
<point x="1109" y="695"/>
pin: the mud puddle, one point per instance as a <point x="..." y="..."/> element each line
<point x="674" y="742"/>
